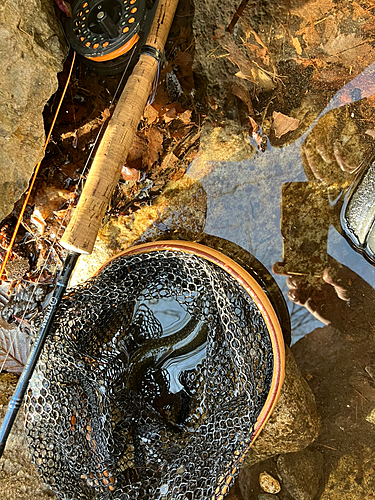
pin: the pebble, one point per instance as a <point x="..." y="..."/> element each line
<point x="268" y="483"/>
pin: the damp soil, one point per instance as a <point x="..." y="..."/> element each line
<point x="274" y="143"/>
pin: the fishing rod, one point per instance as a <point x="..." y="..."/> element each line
<point x="80" y="235"/>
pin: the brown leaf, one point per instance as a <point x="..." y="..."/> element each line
<point x="240" y="90"/>
<point x="48" y="199"/>
<point x="312" y="10"/>
<point x="351" y="51"/>
<point x="151" y="114"/>
<point x="185" y="117"/>
<point x="138" y="148"/>
<point x="154" y="148"/>
<point x="184" y="60"/>
<point x="282" y="124"/>
<point x="255" y="66"/>
<point x="14" y="348"/>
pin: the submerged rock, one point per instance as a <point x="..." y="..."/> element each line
<point x="294" y="424"/>
<point x="301" y="473"/>
<point x="32" y="52"/>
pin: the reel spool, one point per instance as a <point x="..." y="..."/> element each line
<point x="104" y="32"/>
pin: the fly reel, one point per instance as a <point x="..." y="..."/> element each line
<point x="107" y="33"/>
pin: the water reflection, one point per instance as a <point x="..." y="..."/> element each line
<point x="244" y="198"/>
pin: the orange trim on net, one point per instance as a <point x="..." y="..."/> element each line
<point x="117" y="53"/>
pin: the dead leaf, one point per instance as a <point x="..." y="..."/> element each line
<point x="154" y="148"/>
<point x="137" y="150"/>
<point x="255" y="66"/>
<point x="151" y="114"/>
<point x="351" y="51"/>
<point x="48" y="199"/>
<point x="282" y="124"/>
<point x="341" y="43"/>
<point x="240" y="90"/>
<point x="14" y="348"/>
<point x="185" y="117"/>
<point x="184" y="60"/>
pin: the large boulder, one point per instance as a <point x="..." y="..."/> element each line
<point x="32" y="52"/>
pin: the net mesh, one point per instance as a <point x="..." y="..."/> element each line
<point x="123" y="407"/>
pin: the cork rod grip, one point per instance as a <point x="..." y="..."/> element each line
<point x="113" y="150"/>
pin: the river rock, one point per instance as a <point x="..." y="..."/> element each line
<point x="32" y="52"/>
<point x="268" y="483"/>
<point x="293" y="424"/>
<point x="301" y="473"/>
<point x="336" y="363"/>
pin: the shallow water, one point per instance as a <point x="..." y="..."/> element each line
<point x="245" y="200"/>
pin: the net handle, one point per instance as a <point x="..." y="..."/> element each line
<point x="113" y="150"/>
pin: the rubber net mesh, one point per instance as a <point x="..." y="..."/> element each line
<point x="121" y="408"/>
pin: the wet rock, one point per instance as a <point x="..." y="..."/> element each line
<point x="266" y="496"/>
<point x="32" y="52"/>
<point x="347" y="483"/>
<point x="301" y="473"/>
<point x="18" y="477"/>
<point x="268" y="483"/>
<point x="293" y="425"/>
<point x="335" y="365"/>
<point x="179" y="212"/>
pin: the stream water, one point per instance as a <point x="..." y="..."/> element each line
<point x="245" y="204"/>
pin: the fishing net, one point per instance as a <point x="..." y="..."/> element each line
<point x="124" y="405"/>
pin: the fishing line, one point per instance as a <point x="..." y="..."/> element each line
<point x="76" y="191"/>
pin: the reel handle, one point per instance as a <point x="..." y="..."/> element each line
<point x="104" y="174"/>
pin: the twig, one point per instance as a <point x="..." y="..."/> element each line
<point x="23" y="31"/>
<point x="237" y="15"/>
<point x="326" y="446"/>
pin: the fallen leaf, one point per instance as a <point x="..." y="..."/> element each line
<point x="14" y="348"/>
<point x="351" y="51"/>
<point x="154" y="148"/>
<point x="282" y="124"/>
<point x="240" y="90"/>
<point x="151" y="114"/>
<point x="48" y="199"/>
<point x="341" y="43"/>
<point x="184" y="60"/>
<point x="137" y="150"/>
<point x="185" y="117"/>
